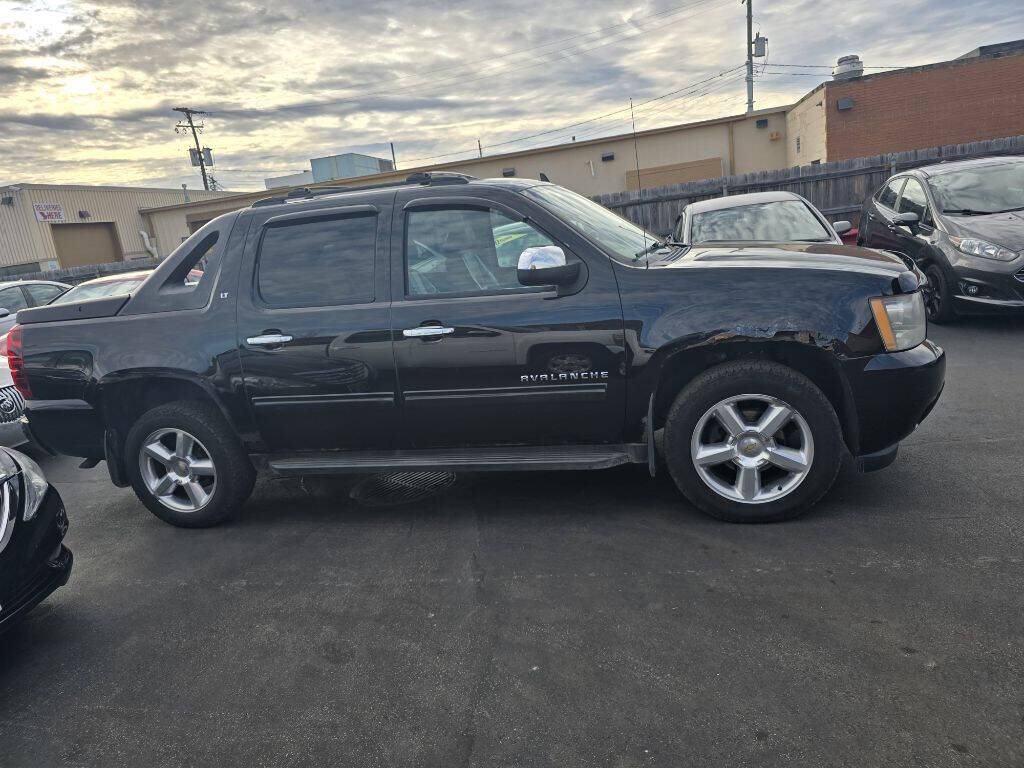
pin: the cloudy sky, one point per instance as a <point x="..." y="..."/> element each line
<point x="87" y="88"/>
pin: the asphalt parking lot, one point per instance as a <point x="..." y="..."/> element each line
<point x="555" y="619"/>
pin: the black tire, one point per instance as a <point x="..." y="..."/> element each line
<point x="235" y="475"/>
<point x="762" y="378"/>
<point x="939" y="300"/>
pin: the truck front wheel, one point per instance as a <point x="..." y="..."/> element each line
<point x="753" y="441"/>
<point x="186" y="465"/>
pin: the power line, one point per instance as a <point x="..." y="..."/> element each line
<point x="670" y="104"/>
<point x="832" y="66"/>
<point x="578" y="123"/>
<point x="455" y="80"/>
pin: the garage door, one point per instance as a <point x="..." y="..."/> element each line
<point x="82" y="244"/>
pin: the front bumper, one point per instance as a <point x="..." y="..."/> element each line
<point x="35" y="562"/>
<point x="996" y="290"/>
<point x="891" y="394"/>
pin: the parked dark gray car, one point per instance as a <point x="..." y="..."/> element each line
<point x="21" y="294"/>
<point x="963" y="224"/>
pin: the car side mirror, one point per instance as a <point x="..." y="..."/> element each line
<point x="909" y="220"/>
<point x="546" y="265"/>
<point x="4" y="312"/>
<point x="842" y="227"/>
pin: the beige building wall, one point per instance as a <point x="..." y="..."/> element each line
<point x="670" y="155"/>
<point x="24" y="239"/>
<point x="806" y="122"/>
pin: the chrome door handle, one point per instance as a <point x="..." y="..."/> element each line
<point x="426" y="330"/>
<point x="268" y="339"/>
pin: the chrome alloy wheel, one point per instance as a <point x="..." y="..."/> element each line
<point x="177" y="470"/>
<point x="752" y="448"/>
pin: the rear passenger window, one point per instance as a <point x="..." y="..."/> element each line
<point x="318" y="263"/>
<point x="42" y="293"/>
<point x="12" y="299"/>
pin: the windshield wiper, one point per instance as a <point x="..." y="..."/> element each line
<point x="967" y="212"/>
<point x="657" y="245"/>
<point x="1010" y="210"/>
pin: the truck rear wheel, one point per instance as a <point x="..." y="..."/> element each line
<point x="186" y="465"/>
<point x="753" y="442"/>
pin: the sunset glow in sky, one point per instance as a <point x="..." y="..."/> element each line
<point x="86" y="88"/>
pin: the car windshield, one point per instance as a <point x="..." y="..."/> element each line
<point x="622" y="238"/>
<point x="985" y="189"/>
<point x="98" y="290"/>
<point x="779" y="221"/>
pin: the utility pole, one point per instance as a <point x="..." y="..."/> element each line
<point x="394" y="163"/>
<point x="479" y="148"/>
<point x="188" y="113"/>
<point x="750" y="54"/>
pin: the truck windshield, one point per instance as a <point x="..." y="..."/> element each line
<point x="985" y="189"/>
<point x="622" y="238"/>
<point x="783" y="221"/>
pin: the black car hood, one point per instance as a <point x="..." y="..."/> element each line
<point x="1005" y="229"/>
<point x="787" y="255"/>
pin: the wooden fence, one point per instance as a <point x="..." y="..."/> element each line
<point x="838" y="189"/>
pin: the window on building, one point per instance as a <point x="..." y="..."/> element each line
<point x="318" y="263"/>
<point x="465" y="250"/>
<point x="20" y="269"/>
<point x="798" y="145"/>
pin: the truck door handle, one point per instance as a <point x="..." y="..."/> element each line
<point x="427" y="330"/>
<point x="268" y="339"/>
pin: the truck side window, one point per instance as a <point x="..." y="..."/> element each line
<point x="465" y="250"/>
<point x="915" y="201"/>
<point x="318" y="263"/>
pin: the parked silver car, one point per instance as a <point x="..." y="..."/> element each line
<point x="763" y="217"/>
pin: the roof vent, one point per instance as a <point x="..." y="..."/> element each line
<point x="847" y="67"/>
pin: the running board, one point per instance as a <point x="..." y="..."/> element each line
<point x="508" y="459"/>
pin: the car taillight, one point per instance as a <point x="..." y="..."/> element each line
<point x="17" y="363"/>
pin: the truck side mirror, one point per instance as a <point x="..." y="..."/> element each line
<point x="842" y="227"/>
<point x="546" y="265"/>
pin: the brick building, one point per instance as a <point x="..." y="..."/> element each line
<point x="975" y="97"/>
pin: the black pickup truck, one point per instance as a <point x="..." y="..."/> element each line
<point x="474" y="325"/>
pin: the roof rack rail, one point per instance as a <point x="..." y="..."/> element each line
<point x="423" y="178"/>
<point x="438" y="177"/>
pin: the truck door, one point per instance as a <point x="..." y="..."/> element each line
<point x="483" y="360"/>
<point x="313" y="327"/>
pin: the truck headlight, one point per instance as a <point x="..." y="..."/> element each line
<point x="983" y="248"/>
<point x="901" y="320"/>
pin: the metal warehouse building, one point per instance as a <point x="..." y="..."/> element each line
<point x="50" y="226"/>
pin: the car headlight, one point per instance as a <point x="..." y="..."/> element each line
<point x="983" y="248"/>
<point x="34" y="484"/>
<point x="901" y="320"/>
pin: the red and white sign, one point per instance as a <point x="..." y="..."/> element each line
<point x="48" y="211"/>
